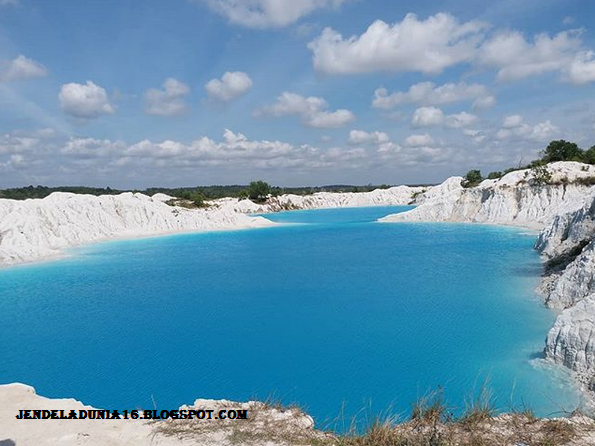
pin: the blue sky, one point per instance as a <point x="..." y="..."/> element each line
<point x="303" y="92"/>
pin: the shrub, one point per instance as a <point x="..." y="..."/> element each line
<point x="258" y="191"/>
<point x="541" y="174"/>
<point x="495" y="175"/>
<point x="589" y="156"/>
<point x="472" y="179"/>
<point x="586" y="181"/>
<point x="195" y="197"/>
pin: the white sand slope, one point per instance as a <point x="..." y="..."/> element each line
<point x="398" y="195"/>
<point x="511" y="200"/>
<point x="265" y="425"/>
<point x="42" y="228"/>
<point x="14" y="397"/>
<point x="36" y="229"/>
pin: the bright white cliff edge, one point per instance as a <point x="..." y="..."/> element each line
<point x="36" y="229"/>
<point x="398" y="195"/>
<point x="41" y="228"/>
<point x="564" y="211"/>
<point x="266" y="426"/>
<point x="511" y="200"/>
<point x="270" y="423"/>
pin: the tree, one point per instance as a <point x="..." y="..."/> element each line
<point x="561" y="150"/>
<point x="589" y="156"/>
<point x="258" y="191"/>
<point x="495" y="175"/>
<point x="472" y="179"/>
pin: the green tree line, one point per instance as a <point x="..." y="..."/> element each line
<point x="195" y="194"/>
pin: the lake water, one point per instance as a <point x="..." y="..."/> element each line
<point x="333" y="311"/>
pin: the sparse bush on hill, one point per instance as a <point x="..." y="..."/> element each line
<point x="258" y="191"/>
<point x="495" y="175"/>
<point x="541" y="174"/>
<point x="196" y="198"/>
<point x="472" y="179"/>
<point x="558" y="150"/>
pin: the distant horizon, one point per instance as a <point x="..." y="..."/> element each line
<point x="131" y="189"/>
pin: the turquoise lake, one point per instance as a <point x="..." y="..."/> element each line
<point x="333" y="311"/>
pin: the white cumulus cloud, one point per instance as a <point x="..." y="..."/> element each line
<point x="427" y="46"/>
<point x="92" y="148"/>
<point x="515" y="58"/>
<point x="84" y="100"/>
<point x="484" y="102"/>
<point x="582" y="68"/>
<point x="514" y="127"/>
<point x="427" y="117"/>
<point x="312" y="110"/>
<point x="268" y="13"/>
<point x="460" y="120"/>
<point x="437" y="42"/>
<point x="231" y="85"/>
<point x="427" y="93"/>
<point x="433" y="116"/>
<point x="361" y="137"/>
<point x="21" y="68"/>
<point x="234" y="150"/>
<point x="169" y="101"/>
<point x="512" y="121"/>
<point x="419" y="140"/>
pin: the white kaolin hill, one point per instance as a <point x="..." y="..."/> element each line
<point x="42" y="228"/>
<point x="569" y="246"/>
<point x="265" y="425"/>
<point x="398" y="195"/>
<point x="514" y="199"/>
<point x="36" y="229"/>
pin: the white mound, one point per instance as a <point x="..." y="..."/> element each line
<point x="264" y="426"/>
<point x="515" y="199"/>
<point x="398" y="195"/>
<point x="36" y="229"/>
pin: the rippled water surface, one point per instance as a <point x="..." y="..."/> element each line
<point x="335" y="311"/>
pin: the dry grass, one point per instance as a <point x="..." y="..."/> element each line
<point x="268" y="422"/>
<point x="431" y="423"/>
<point x="380" y="433"/>
<point x="479" y="408"/>
<point x="556" y="432"/>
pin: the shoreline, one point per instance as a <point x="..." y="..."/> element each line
<point x="38" y="229"/>
<point x="268" y="425"/>
<point x="64" y="253"/>
<point x="45" y="229"/>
